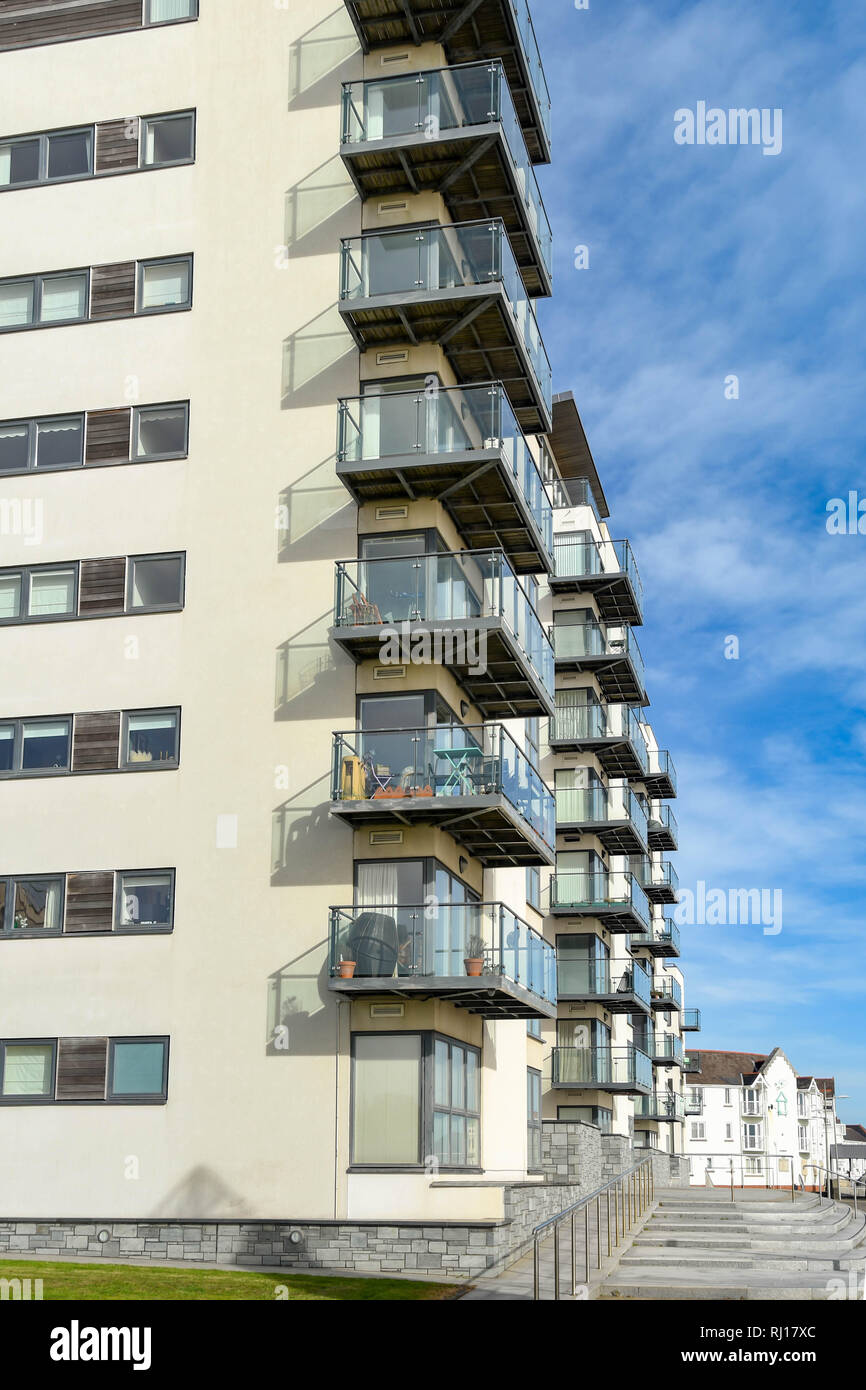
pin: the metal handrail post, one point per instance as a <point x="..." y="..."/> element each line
<point x="556" y="1293"/>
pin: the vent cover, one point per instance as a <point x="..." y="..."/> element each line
<point x="387" y="1010"/>
<point x="385" y="359"/>
<point x="389" y="673"/>
<point x="402" y="206"/>
<point x="388" y="58"/>
<point x="392" y="513"/>
<point x="386" y="837"/>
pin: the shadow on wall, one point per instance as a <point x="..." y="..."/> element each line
<point x="300" y="1018"/>
<point x="311" y="676"/>
<point x="325" y="55"/>
<point x="317" y="362"/>
<point x="305" y="842"/>
<point x="316" y="517"/>
<point x="199" y="1195"/>
<point x="321" y="209"/>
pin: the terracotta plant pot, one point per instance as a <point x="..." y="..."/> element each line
<point x="347" y="969"/>
<point x="474" y="967"/>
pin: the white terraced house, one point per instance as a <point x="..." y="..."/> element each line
<point x="752" y="1120"/>
<point x="315" y="949"/>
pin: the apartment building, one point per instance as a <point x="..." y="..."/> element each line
<point x="752" y="1119"/>
<point x="304" y="812"/>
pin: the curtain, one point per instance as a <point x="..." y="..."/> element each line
<point x="16" y="304"/>
<point x="64" y="298"/>
<point x="10" y="596"/>
<point x="378" y="884"/>
<point x="165" y="285"/>
<point x="37" y="905"/>
<point x="387" y="1098"/>
<point x="161" y="11"/>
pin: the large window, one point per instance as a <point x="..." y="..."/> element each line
<point x="43" y="299"/>
<point x="151" y="737"/>
<point x="169" y="11"/>
<point x="160" y="431"/>
<point x="415" y="1098"/>
<point x="533" y="1119"/>
<point x="59" y="154"/>
<point x="34" y="746"/>
<point x="31" y="905"/>
<point x="28" y="595"/>
<point x="138" y="1069"/>
<point x="168" y="139"/>
<point x="56" y="442"/>
<point x="145" y="901"/>
<point x="164" y="285"/>
<point x="27" y="1070"/>
<point x="154" y="582"/>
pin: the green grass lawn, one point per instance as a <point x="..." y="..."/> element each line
<point x="119" y="1283"/>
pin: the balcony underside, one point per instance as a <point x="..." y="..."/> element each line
<point x="660" y="892"/>
<point x="661" y="950"/>
<point x="689" y="1027"/>
<point x="476" y="486"/>
<point x="615" y="918"/>
<point x="475" y="327"/>
<point x="488" y="827"/>
<point x="620" y="1002"/>
<point x="662" y="1060"/>
<point x="614" y="593"/>
<point x="664" y="1002"/>
<point x="617" y="756"/>
<point x="490" y="996"/>
<point x="661" y="836"/>
<point x="658" y="1119"/>
<point x="658" y="784"/>
<point x="618" y="837"/>
<point x="468" y="32"/>
<point x="611" y="1088"/>
<point x="473" y="171"/>
<point x="507" y="688"/>
<point x="616" y="674"/>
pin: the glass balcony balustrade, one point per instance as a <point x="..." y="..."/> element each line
<point x="663" y="828"/>
<point x="614" y="896"/>
<point x="624" y="985"/>
<point x="613" y="813"/>
<point x="601" y="567"/>
<point x="624" y="1069"/>
<point x="611" y="731"/>
<point x="497" y="644"/>
<point x="659" y="1105"/>
<point x="667" y="993"/>
<point x="438" y="440"/>
<point x="430" y="131"/>
<point x="612" y="655"/>
<point x="691" y="1020"/>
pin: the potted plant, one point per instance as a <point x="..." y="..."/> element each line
<point x="347" y="968"/>
<point x="474" y="958"/>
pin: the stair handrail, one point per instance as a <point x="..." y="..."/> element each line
<point x="633" y="1191"/>
<point x="732" y="1158"/>
<point x="840" y="1178"/>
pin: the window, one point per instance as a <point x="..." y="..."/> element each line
<point x="61" y="154"/>
<point x="154" y="582"/>
<point x="752" y="1102"/>
<point x="729" y="1133"/>
<point x="170" y="11"/>
<point x="533" y="888"/>
<point x="596" y="1115"/>
<point x="456" y="1104"/>
<point x="164" y="285"/>
<point x="753" y="1136"/>
<point x="160" y="431"/>
<point x="138" y="1069"/>
<point x="699" y="1129"/>
<point x="50" y="443"/>
<point x="50" y="593"/>
<point x="145" y="901"/>
<point x="386" y="1098"/>
<point x="804" y="1138"/>
<point x="802" y="1107"/>
<point x="34" y="745"/>
<point x="31" y="905"/>
<point x="168" y="139"/>
<point x="28" y="1070"/>
<point x="533" y="1028"/>
<point x="151" y="737"/>
<point x="727" y="1096"/>
<point x="43" y="299"/>
<point x="533" y="1119"/>
<point x="754" y="1166"/>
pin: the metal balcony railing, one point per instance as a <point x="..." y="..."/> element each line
<point x="578" y="558"/>
<point x="601" y="1067"/>
<point x="594" y="723"/>
<point x="601" y="892"/>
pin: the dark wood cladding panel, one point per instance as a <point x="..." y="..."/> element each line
<point x="112" y="290"/>
<point x="107" y="436"/>
<point x="96" y="742"/>
<point x="89" y="902"/>
<point x="81" y="1067"/>
<point x="102" y="586"/>
<point x="117" y="145"/>
<point x="24" y="24"/>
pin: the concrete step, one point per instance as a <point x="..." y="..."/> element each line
<point x="833" y="1221"/>
<point x="721" y="1284"/>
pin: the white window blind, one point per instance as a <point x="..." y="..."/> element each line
<point x="64" y="298"/>
<point x="165" y="285"/>
<point x="27" y="1071"/>
<point x="16" y="304"/>
<point x="51" y="592"/>
<point x="162" y="11"/>
<point x="10" y="598"/>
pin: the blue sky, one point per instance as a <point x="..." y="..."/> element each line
<point x="708" y="261"/>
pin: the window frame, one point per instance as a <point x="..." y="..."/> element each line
<point x="124" y="764"/>
<point x="8" y="930"/>
<point x="26" y="573"/>
<point x="143" y="125"/>
<point x="32" y="423"/>
<point x="431" y="1106"/>
<point x="137" y="929"/>
<point x="42" y="138"/>
<point x="534" y="1163"/>
<point x="135" y="415"/>
<point x="28" y="1042"/>
<point x="142" y="266"/>
<point x="148" y="23"/>
<point x="113" y="1099"/>
<point x="17" y="770"/>
<point x="38" y="283"/>
<point x="155" y="607"/>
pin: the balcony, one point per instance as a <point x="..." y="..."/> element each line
<point x="661" y="776"/>
<point x="658" y="880"/>
<point x="611" y="732"/>
<point x="667" y="993"/>
<point x="621" y="988"/>
<point x="457" y="286"/>
<point x="452" y="131"/>
<point x="692" y="1062"/>
<point x="615" y="898"/>
<point x="691" y="1020"/>
<point x="661" y="939"/>
<point x="613" y="657"/>
<point x="614" y="1069"/>
<point x="427" y="952"/>
<point x="460" y="445"/>
<point x="665" y="1050"/>
<point x="659" y="1105"/>
<point x="663" y="828"/>
<point x="613" y="814"/>
<point x="694" y="1103"/>
<point x="467" y="611"/>
<point x="605" y="569"/>
<point x="473" y="782"/>
<point x="495" y="28"/>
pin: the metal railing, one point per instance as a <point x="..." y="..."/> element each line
<point x="606" y="890"/>
<point x="598" y="804"/>
<point x="691" y="1020"/>
<point x="661" y="815"/>
<point x="591" y="723"/>
<point x="831" y="1174"/>
<point x="665" y="987"/>
<point x="631" y="1194"/>
<point x="582" y="1068"/>
<point x="661" y="764"/>
<point x="583" y="641"/>
<point x="577" y="558"/>
<point x="586" y="979"/>
<point x="766" y="1159"/>
<point x="526" y="29"/>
